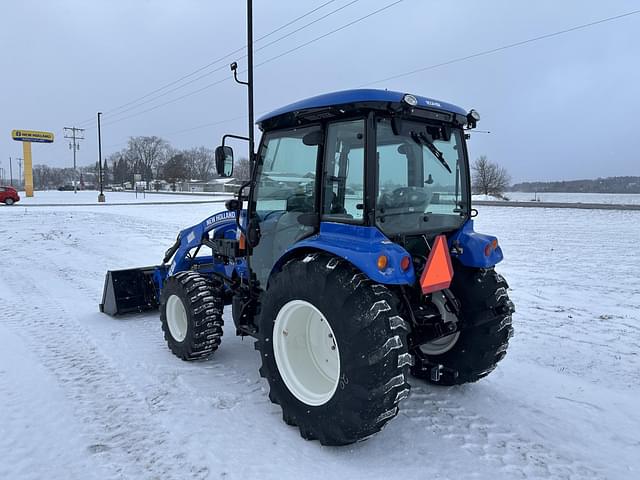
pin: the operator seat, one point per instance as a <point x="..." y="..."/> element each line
<point x="288" y="229"/>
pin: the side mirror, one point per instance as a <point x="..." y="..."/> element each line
<point x="233" y="205"/>
<point x="224" y="161"/>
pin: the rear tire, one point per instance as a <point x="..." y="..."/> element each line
<point x="337" y="399"/>
<point x="9" y="201"/>
<point x="485" y="329"/>
<point x="191" y="307"/>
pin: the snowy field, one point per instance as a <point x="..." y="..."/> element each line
<point x="91" y="196"/>
<point x="85" y="396"/>
<point x="622" y="198"/>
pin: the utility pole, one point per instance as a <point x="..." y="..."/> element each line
<point x="101" y="195"/>
<point x="19" y="160"/>
<point x="74" y="134"/>
<point x="250" y="80"/>
<point x="10" y="172"/>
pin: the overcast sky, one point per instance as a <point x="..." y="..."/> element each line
<point x="559" y="108"/>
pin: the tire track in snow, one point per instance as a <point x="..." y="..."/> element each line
<point x="508" y="452"/>
<point x="123" y="432"/>
<point x="168" y="385"/>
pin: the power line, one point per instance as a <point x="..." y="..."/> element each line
<point x="224" y="57"/>
<point x="456" y="60"/>
<point x="307" y="25"/>
<point x="331" y="32"/>
<point x="185" y="130"/>
<point x="222" y="80"/>
<point x="504" y="47"/>
<point x="156" y="97"/>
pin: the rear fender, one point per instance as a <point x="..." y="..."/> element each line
<point x="468" y="246"/>
<point x="361" y="246"/>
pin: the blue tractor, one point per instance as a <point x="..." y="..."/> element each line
<point x="354" y="263"/>
<point x="349" y="255"/>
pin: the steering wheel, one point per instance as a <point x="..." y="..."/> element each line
<point x="299" y="202"/>
<point x="405" y="197"/>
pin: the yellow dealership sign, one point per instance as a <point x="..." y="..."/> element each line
<point x="32" y="136"/>
<point x="27" y="137"/>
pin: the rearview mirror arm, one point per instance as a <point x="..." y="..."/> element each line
<point x="228" y="135"/>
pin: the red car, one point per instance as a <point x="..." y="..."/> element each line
<point x="9" y="195"/>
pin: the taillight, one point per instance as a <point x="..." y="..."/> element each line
<point x="490" y="247"/>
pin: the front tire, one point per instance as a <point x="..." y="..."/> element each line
<point x="9" y="201"/>
<point x="333" y="348"/>
<point x="483" y="338"/>
<point x="191" y="307"/>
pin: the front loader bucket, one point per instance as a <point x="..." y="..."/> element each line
<point x="132" y="290"/>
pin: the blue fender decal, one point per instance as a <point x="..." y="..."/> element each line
<point x="361" y="246"/>
<point x="469" y="247"/>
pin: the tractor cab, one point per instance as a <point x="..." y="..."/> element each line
<point x="354" y="161"/>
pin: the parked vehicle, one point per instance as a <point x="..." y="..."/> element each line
<point x="9" y="195"/>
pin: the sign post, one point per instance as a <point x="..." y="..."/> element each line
<point x="27" y="137"/>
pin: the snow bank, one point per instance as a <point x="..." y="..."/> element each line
<point x="486" y="198"/>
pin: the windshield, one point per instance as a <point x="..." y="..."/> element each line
<point x="421" y="169"/>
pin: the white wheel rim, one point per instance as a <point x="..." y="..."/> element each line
<point x="441" y="345"/>
<point x="176" y="318"/>
<point x="306" y="353"/>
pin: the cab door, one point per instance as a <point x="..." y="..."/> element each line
<point x="286" y="187"/>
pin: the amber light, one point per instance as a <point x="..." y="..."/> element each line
<point x="383" y="261"/>
<point x="242" y="242"/>
<point x="490" y="247"/>
<point x="405" y="263"/>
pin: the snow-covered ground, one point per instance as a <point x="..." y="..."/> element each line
<point x="91" y="196"/>
<point x="486" y="198"/>
<point x="623" y="198"/>
<point x="83" y="395"/>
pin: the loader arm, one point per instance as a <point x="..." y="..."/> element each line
<point x="138" y="289"/>
<point x="193" y="237"/>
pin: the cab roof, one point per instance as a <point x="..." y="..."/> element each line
<point x="360" y="96"/>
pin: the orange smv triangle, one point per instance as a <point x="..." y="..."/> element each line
<point x="438" y="273"/>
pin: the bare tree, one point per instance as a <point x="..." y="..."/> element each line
<point x="489" y="178"/>
<point x="242" y="169"/>
<point x="146" y="153"/>
<point x="200" y="163"/>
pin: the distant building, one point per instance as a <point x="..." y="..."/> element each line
<point x="220" y="185"/>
